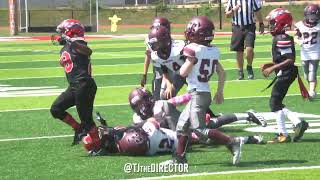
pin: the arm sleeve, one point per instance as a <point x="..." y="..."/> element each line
<point x="180" y="100"/>
<point x="286" y="48"/>
<point x="256" y="5"/>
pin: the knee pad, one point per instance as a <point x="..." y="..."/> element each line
<point x="57" y="113"/>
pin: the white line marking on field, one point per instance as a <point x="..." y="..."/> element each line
<point x="94" y="66"/>
<point x="37" y="109"/>
<point x="232" y="172"/>
<point x="33" y="138"/>
<point x="121" y="104"/>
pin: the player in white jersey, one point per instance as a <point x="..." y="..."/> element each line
<point x="167" y="114"/>
<point x="160" y="139"/>
<point x="308" y="34"/>
<point x="168" y="53"/>
<point x="201" y="63"/>
<point x="157" y="72"/>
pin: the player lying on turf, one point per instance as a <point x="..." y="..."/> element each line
<point x="166" y="113"/>
<point x="148" y="138"/>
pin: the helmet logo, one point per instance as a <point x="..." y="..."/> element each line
<point x="135" y="99"/>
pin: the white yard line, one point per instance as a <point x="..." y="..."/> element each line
<point x="33" y="138"/>
<point x="37" y="77"/>
<point x="121" y="104"/>
<point x="232" y="172"/>
<point x="103" y="65"/>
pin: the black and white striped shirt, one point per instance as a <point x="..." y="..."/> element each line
<point x="245" y="14"/>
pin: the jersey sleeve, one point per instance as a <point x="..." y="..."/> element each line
<point x="189" y="51"/>
<point x="297" y="28"/>
<point x="256" y="5"/>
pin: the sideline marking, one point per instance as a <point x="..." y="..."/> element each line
<point x="232" y="172"/>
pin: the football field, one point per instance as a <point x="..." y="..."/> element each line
<point x="33" y="145"/>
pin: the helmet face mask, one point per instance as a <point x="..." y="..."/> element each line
<point x="159" y="39"/>
<point x="141" y="102"/>
<point x="69" y="28"/>
<point x="311" y="15"/>
<point x="279" y="20"/>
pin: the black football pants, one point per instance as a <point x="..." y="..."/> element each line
<point x="80" y="94"/>
<point x="280" y="89"/>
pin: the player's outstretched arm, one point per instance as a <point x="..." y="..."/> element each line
<point x="218" y="98"/>
<point x="180" y="100"/>
<point x="147" y="60"/>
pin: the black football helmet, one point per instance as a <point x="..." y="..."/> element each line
<point x="161" y="21"/>
<point x="200" y="30"/>
<point x="311" y="15"/>
<point x="141" y="102"/>
<point x="133" y="142"/>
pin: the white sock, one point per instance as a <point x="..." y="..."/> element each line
<point x="242" y="116"/>
<point x="280" y="118"/>
<point x="292" y="116"/>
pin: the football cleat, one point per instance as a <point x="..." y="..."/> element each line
<point x="312" y="94"/>
<point x="299" y="130"/>
<point x="94" y="152"/>
<point x="235" y="149"/>
<point x="78" y="135"/>
<point x="241" y="75"/>
<point x="258" y="119"/>
<point x="253" y="139"/>
<point x="250" y="73"/>
<point x="280" y="138"/>
<point x="176" y="159"/>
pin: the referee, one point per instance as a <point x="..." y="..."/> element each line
<point x="243" y="30"/>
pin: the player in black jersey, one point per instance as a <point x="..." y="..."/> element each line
<point x="283" y="55"/>
<point x="75" y="59"/>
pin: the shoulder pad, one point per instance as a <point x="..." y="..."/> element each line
<point x="190" y="50"/>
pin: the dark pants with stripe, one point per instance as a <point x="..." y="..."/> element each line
<point x="80" y="94"/>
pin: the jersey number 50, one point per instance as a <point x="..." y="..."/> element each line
<point x="204" y="73"/>
<point x="66" y="61"/>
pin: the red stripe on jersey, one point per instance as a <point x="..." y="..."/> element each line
<point x="283" y="43"/>
<point x="189" y="52"/>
